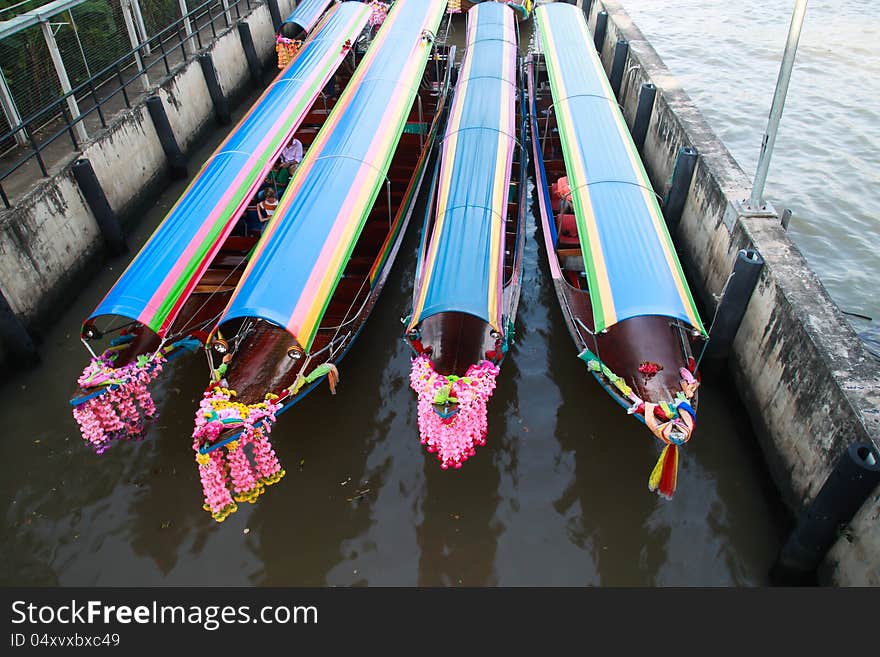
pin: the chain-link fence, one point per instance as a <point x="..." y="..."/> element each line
<point x="105" y="46"/>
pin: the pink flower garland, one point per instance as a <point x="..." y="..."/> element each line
<point x="380" y="11"/>
<point x="453" y="439"/>
<point x="121" y="411"/>
<point x="228" y="468"/>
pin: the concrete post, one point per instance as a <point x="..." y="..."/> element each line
<point x="854" y="478"/>
<point x="732" y="306"/>
<point x="95" y="198"/>
<point x="275" y="12"/>
<point x="58" y="63"/>
<point x="134" y="41"/>
<point x="618" y="65"/>
<point x="13" y="118"/>
<point x="221" y="105"/>
<point x="643" y="114"/>
<point x="601" y="28"/>
<point x="14" y="335"/>
<point x="176" y="159"/>
<point x="250" y="53"/>
<point x="673" y="204"/>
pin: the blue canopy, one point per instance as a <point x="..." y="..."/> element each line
<point x="464" y="259"/>
<point x="629" y="258"/>
<point x="301" y="255"/>
<point x="159" y="280"/>
<point x="307" y="13"/>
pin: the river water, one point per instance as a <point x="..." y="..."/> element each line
<point x="557" y="497"/>
<point x="826" y="164"/>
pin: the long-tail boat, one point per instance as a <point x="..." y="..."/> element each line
<point x="170" y="296"/>
<point x="619" y="281"/>
<point x="469" y="269"/>
<point x="323" y="259"/>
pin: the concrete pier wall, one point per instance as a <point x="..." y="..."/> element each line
<point x="809" y="385"/>
<point x="50" y="237"/>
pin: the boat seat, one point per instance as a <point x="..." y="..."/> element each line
<point x="566" y="227"/>
<point x="229" y="261"/>
<point x="212" y="289"/>
<point x="220" y="277"/>
<point x="239" y="243"/>
<point x="570" y="259"/>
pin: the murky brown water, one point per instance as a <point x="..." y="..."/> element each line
<point x="557" y="497"/>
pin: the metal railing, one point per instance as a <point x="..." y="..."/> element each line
<point x="167" y="49"/>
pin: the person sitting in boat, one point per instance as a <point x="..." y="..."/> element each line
<point x="563" y="192"/>
<point x="252" y="222"/>
<point x="266" y="207"/>
<point x="279" y="177"/>
<point x="292" y="154"/>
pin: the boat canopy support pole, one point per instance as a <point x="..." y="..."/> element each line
<point x="221" y="105"/>
<point x="94" y="195"/>
<point x="176" y="158"/>
<point x="733" y="303"/>
<point x="601" y="28"/>
<point x="673" y="204"/>
<point x="15" y="338"/>
<point x="851" y="482"/>
<point x="250" y="53"/>
<point x="647" y="94"/>
<point x="621" y="50"/>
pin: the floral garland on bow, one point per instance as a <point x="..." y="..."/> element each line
<point x="286" y="49"/>
<point x="452" y="437"/>
<point x="662" y="418"/>
<point x="227" y="472"/>
<point x="120" y="410"/>
<point x="379" y="13"/>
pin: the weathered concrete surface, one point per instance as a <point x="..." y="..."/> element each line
<point x="47" y="234"/>
<point x="187" y="104"/>
<point x="810" y="386"/>
<point x="50" y="238"/>
<point x="127" y="159"/>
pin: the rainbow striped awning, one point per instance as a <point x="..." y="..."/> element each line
<point x="157" y="283"/>
<point x="464" y="259"/>
<point x="304" y="249"/>
<point x="308" y="12"/>
<point x="631" y="265"/>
